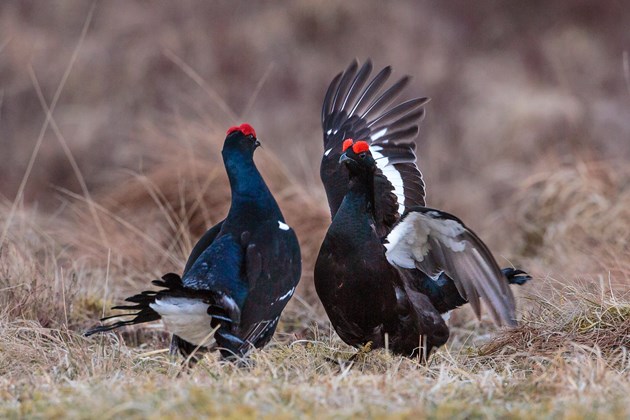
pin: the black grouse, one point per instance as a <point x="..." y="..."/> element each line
<point x="239" y="276"/>
<point x="389" y="266"/>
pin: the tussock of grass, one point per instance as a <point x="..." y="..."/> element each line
<point x="576" y="209"/>
<point x="574" y="317"/>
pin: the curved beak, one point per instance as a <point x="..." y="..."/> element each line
<point x="257" y="144"/>
<point x="343" y="158"/>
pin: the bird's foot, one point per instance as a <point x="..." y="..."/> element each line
<point x="515" y="276"/>
<point x="362" y="351"/>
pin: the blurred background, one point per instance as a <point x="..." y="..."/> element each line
<point x="527" y="135"/>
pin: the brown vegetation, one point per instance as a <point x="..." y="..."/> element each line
<point x="526" y="140"/>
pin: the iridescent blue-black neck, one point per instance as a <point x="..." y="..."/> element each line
<point x="250" y="195"/>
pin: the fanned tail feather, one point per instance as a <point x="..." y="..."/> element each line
<point x="143" y="311"/>
<point x="516" y="276"/>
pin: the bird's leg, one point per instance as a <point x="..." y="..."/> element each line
<point x="424" y="351"/>
<point x="182" y="347"/>
<point x="173" y="350"/>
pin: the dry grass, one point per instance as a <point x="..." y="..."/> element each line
<point x="585" y="204"/>
<point x="112" y="379"/>
<point x="600" y="324"/>
<point x="526" y="140"/>
<point x="569" y="357"/>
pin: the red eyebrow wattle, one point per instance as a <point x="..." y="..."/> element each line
<point x="360" y="147"/>
<point x="346" y="144"/>
<point x="244" y="128"/>
<point x="247" y="129"/>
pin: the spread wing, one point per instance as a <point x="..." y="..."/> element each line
<point x="434" y="241"/>
<point x="356" y="107"/>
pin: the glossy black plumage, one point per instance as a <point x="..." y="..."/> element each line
<point x="360" y="109"/>
<point x="367" y="294"/>
<point x="397" y="285"/>
<point x="239" y="276"/>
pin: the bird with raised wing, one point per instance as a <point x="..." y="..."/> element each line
<point x="239" y="276"/>
<point x="390" y="267"/>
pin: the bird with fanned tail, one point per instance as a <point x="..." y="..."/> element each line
<point x="390" y="269"/>
<point x="239" y="276"/>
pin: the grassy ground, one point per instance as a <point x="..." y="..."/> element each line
<point x="526" y="141"/>
<point x="569" y="357"/>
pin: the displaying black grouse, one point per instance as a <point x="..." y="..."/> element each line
<point x="239" y="276"/>
<point x="389" y="266"/>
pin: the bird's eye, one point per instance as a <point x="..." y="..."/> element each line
<point x="362" y="155"/>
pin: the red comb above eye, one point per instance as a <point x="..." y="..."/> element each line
<point x="347" y="143"/>
<point x="360" y="147"/>
<point x="245" y="128"/>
